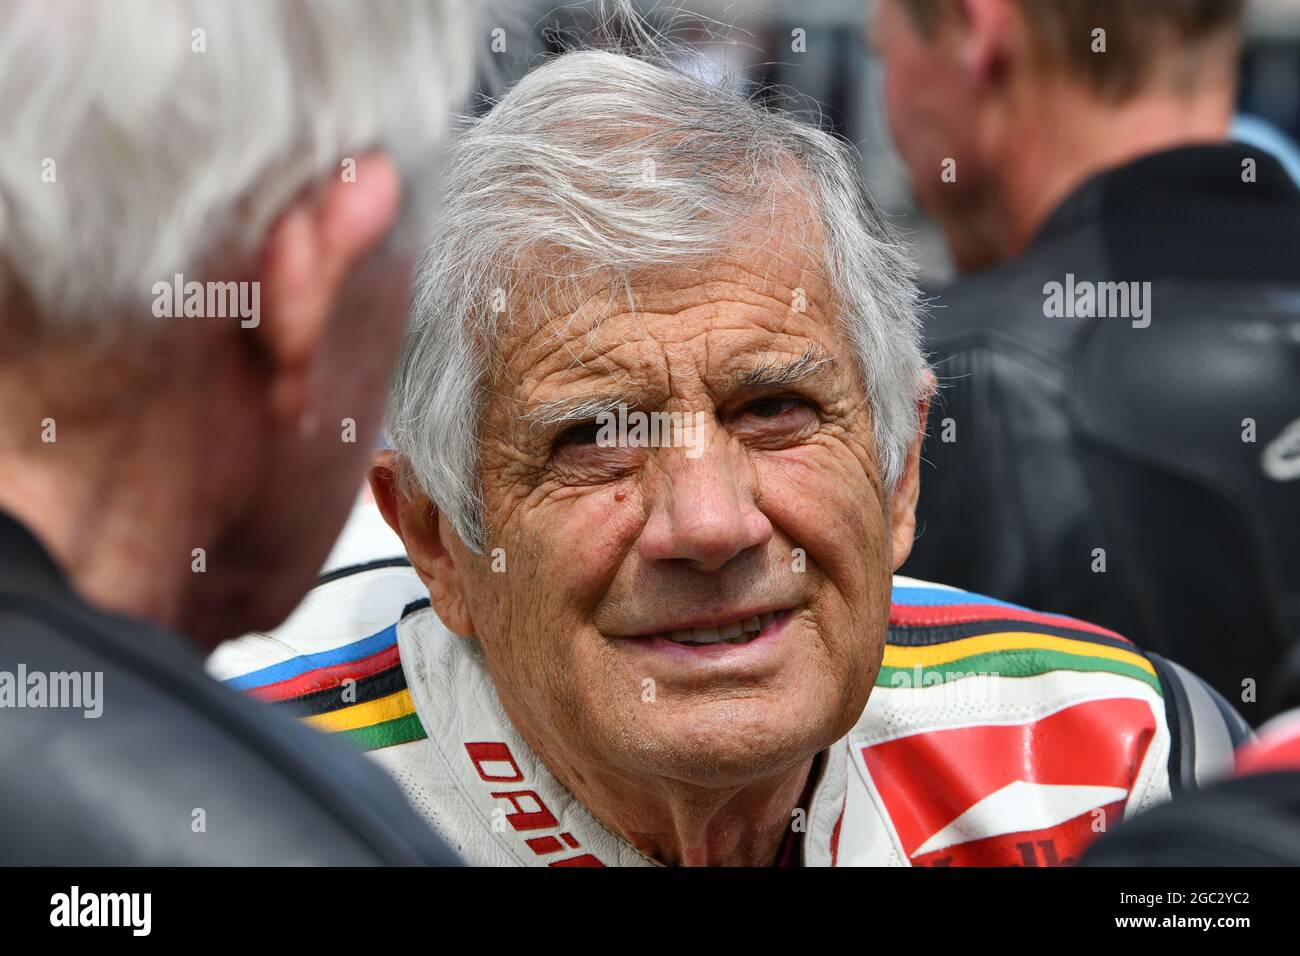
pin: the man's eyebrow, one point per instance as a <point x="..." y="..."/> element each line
<point x="770" y="372"/>
<point x="581" y="408"/>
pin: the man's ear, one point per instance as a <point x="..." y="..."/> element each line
<point x="309" y="252"/>
<point x="987" y="44"/>
<point x="426" y="534"/>
<point x="908" y="491"/>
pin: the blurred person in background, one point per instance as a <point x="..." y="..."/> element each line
<point x="1118" y="432"/>
<point x="208" y="217"/>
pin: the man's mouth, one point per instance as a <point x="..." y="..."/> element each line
<point x="738" y="631"/>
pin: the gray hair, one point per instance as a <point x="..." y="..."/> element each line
<point x="150" y="137"/>
<point x="551" y="189"/>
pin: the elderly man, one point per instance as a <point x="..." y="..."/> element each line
<point x="206" y="222"/>
<point x="657" y="429"/>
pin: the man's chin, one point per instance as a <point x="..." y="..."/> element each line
<point x="729" y="744"/>
<point x="231" y="605"/>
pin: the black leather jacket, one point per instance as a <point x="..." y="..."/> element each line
<point x="175" y="769"/>
<point x="1166" y="453"/>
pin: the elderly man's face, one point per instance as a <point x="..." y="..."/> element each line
<point x="777" y="520"/>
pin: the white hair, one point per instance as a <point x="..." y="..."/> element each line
<point x="144" y="138"/>
<point x="598" y="164"/>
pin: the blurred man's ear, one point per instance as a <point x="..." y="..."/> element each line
<point x="309" y="253"/>
<point x="426" y="534"/>
<point x="908" y="491"/>
<point x="988" y="41"/>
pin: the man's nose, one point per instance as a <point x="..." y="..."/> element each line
<point x="703" y="510"/>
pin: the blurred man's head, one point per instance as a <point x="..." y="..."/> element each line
<point x="1045" y="90"/>
<point x="208" y="214"/>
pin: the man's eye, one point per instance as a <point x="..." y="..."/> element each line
<point x="578" y="435"/>
<point x="777" y="421"/>
<point x="775" y="407"/>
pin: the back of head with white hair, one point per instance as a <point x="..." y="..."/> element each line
<point x="598" y="166"/>
<point x="144" y="138"/>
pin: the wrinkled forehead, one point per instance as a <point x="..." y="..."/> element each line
<point x="768" y="294"/>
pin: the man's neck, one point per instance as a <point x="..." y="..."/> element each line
<point x="110" y="488"/>
<point x="681" y="825"/>
<point x="116" y="531"/>
<point x="1074" y="137"/>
